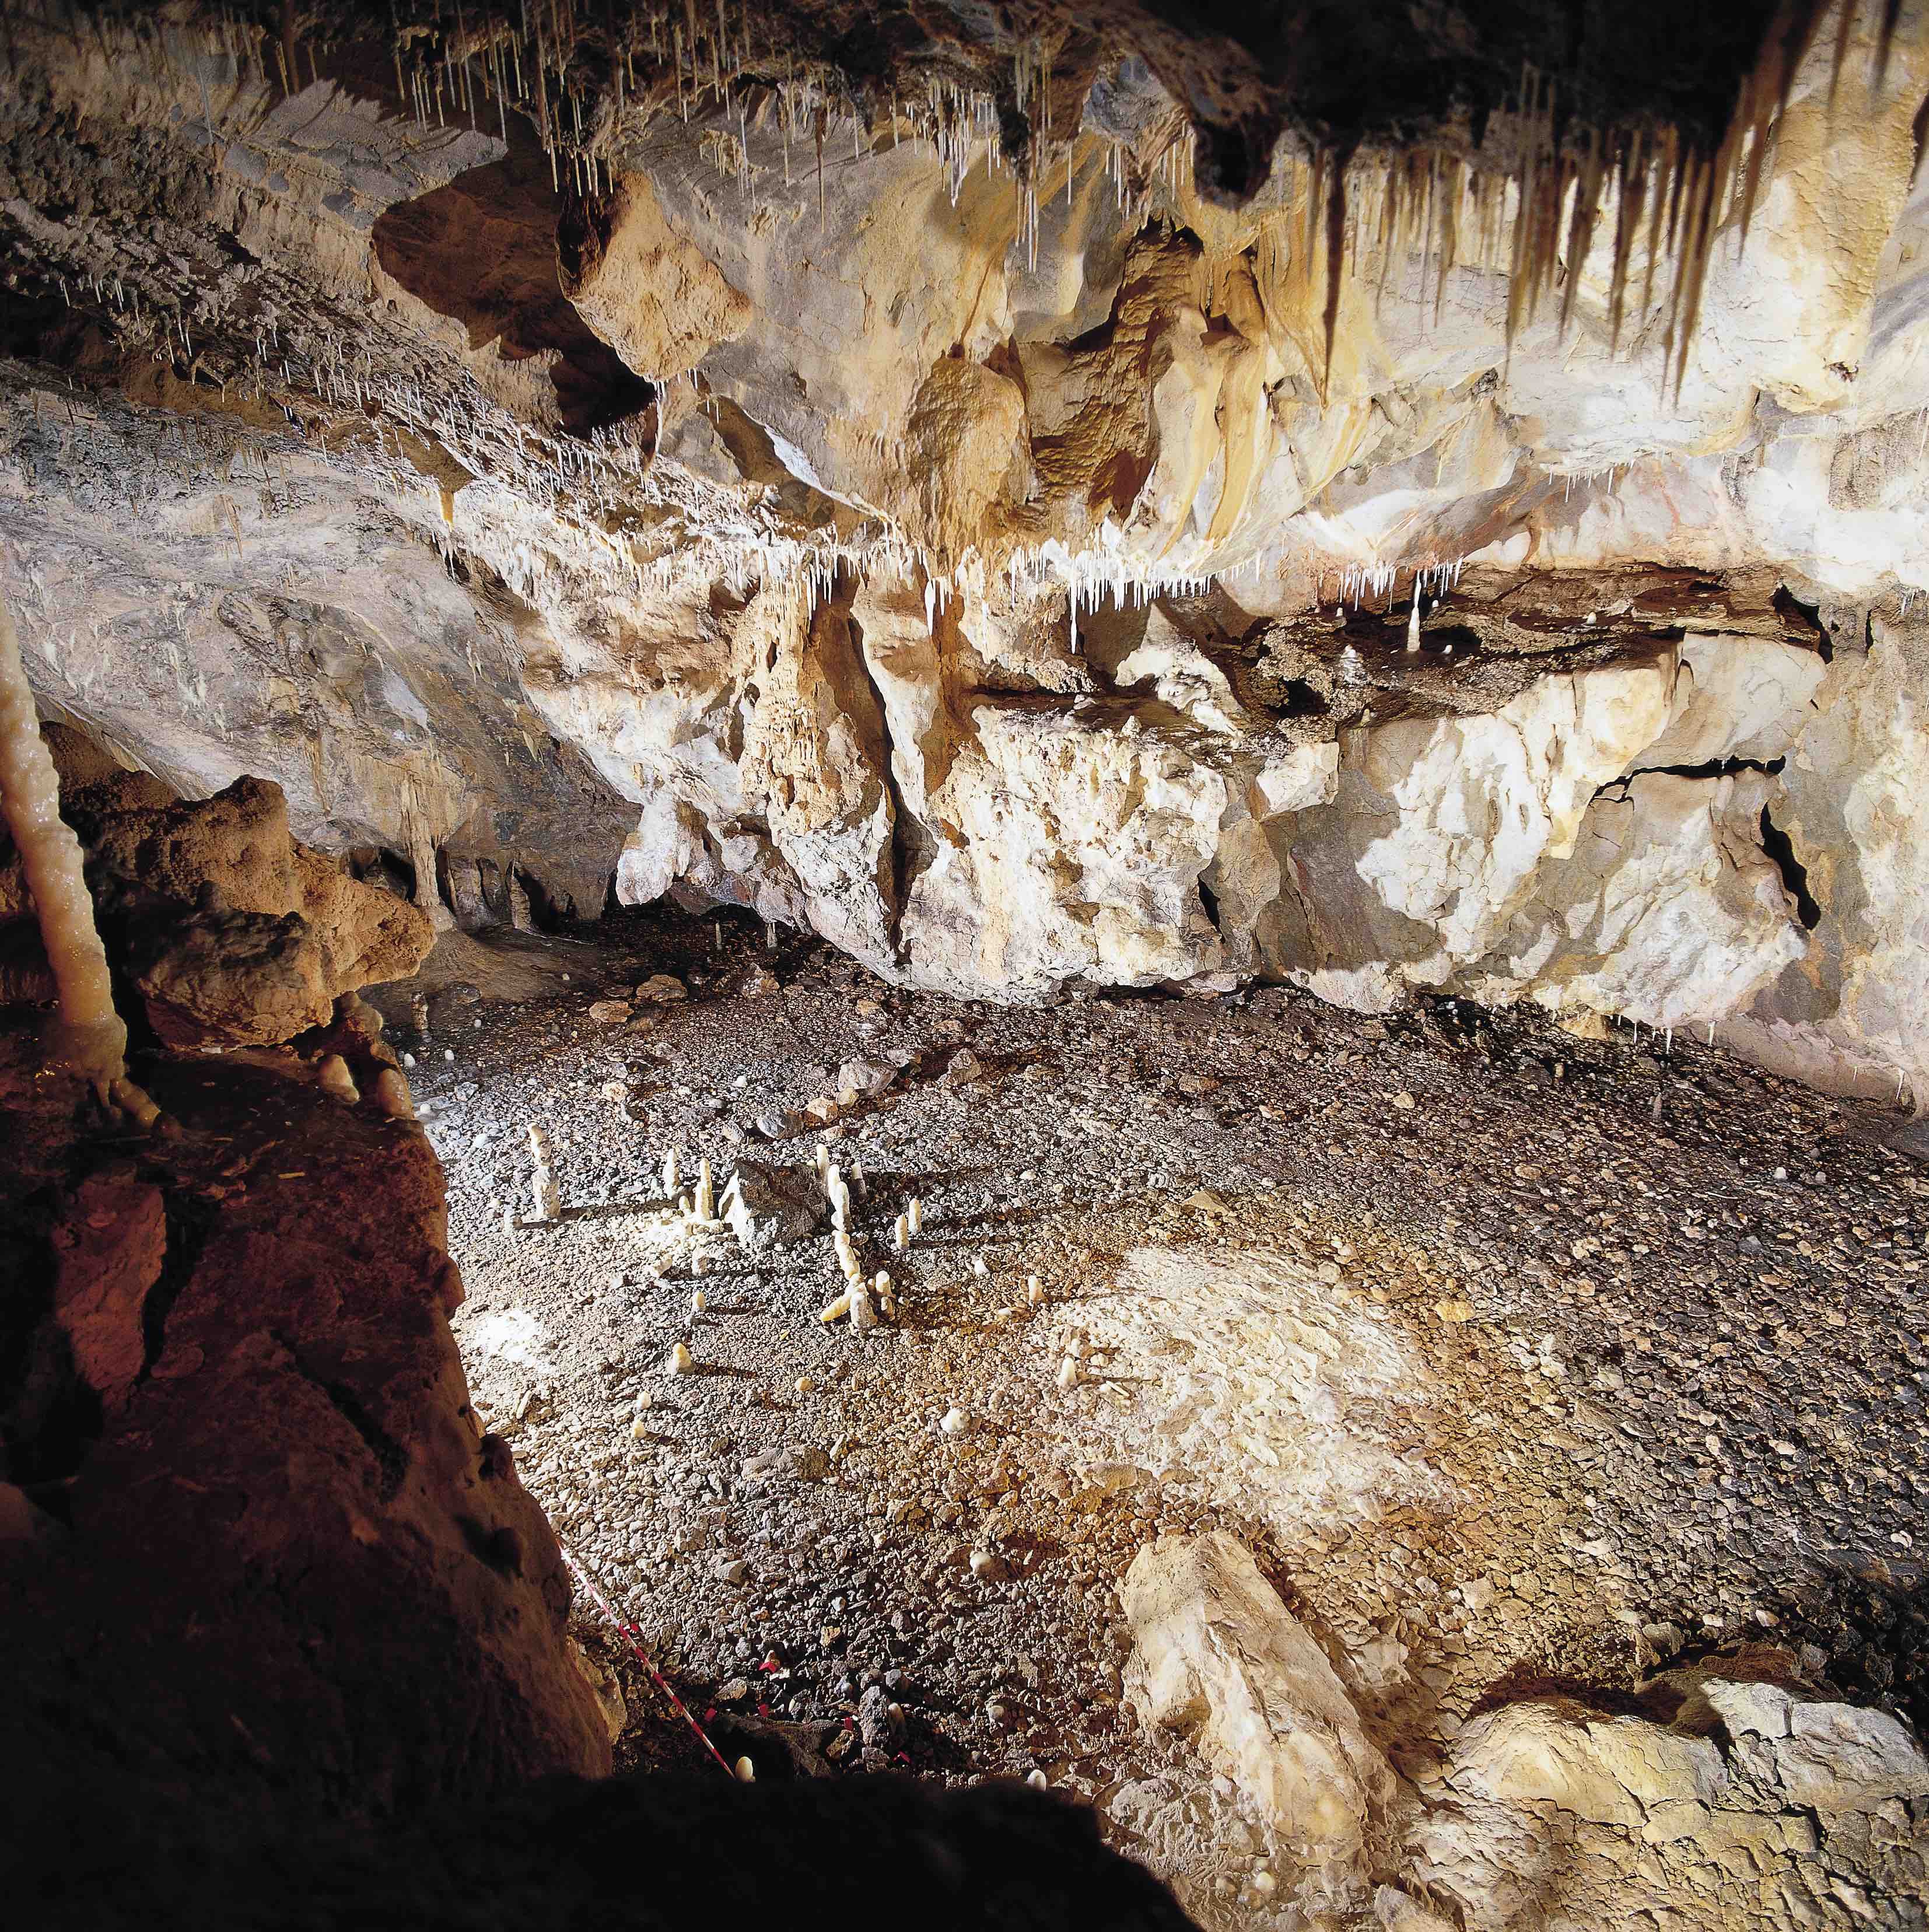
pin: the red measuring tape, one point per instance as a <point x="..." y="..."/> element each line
<point x="631" y="1633"/>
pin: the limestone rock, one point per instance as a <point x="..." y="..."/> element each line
<point x="969" y="596"/>
<point x="604" y="1687"/>
<point x="1610" y="1772"/>
<point x="276" y="1478"/>
<point x="644" y="288"/>
<point x="109" y="1251"/>
<point x="1545" y="1803"/>
<point x="1217" y="1656"/>
<point x="231" y="928"/>
<point x="1823" y="1755"/>
<point x="769" y="1206"/>
<point x="249" y="978"/>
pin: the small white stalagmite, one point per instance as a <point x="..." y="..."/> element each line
<point x="546" y="1197"/>
<point x="914" y="1216"/>
<point x="706" y="1191"/>
<point x="92" y="1040"/>
<point x="671" y="1177"/>
<point x="901" y="1233"/>
<point x="863" y="1316"/>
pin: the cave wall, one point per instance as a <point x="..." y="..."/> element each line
<point x="1006" y="576"/>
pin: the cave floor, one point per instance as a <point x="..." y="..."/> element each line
<point x="1521" y="1360"/>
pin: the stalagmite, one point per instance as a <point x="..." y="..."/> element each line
<point x="670" y="1177"/>
<point x="546" y="1197"/>
<point x="863" y="1316"/>
<point x="333" y="1077"/>
<point x="901" y="1233"/>
<point x="707" y="1193"/>
<point x="914" y="1216"/>
<point x="91" y="1040"/>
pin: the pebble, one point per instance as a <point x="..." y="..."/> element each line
<point x="955" y="1422"/>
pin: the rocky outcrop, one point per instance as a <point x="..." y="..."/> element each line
<point x="240" y="1462"/>
<point x="1217" y="1656"/>
<point x="911" y="503"/>
<point x="1735" y="1797"/>
<point x="232" y="931"/>
<point x="1740" y="1812"/>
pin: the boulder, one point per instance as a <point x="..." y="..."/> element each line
<point x="768" y="1206"/>
<point x="234" y="932"/>
<point x="1218" y="1657"/>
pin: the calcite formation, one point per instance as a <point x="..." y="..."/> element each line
<point x="1031" y="508"/>
<point x="232" y="931"/>
<point x="1700" y="1804"/>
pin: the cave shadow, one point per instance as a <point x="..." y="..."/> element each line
<point x="482" y="250"/>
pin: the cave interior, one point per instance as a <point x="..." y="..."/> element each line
<point x="967" y="955"/>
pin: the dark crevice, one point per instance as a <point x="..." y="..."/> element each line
<point x="1209" y="899"/>
<point x="392" y="1458"/>
<point x="1716" y="768"/>
<point x="1806" y="618"/>
<point x="1776" y="843"/>
<point x="482" y="249"/>
<point x="911" y="838"/>
<point x="189" y="1222"/>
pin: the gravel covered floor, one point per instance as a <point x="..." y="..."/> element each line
<point x="1520" y="1360"/>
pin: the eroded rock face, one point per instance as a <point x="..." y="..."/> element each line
<point x="239" y="1460"/>
<point x="1218" y="1657"/>
<point x="854" y="528"/>
<point x="232" y="931"/>
<point x="1712" y="1804"/>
